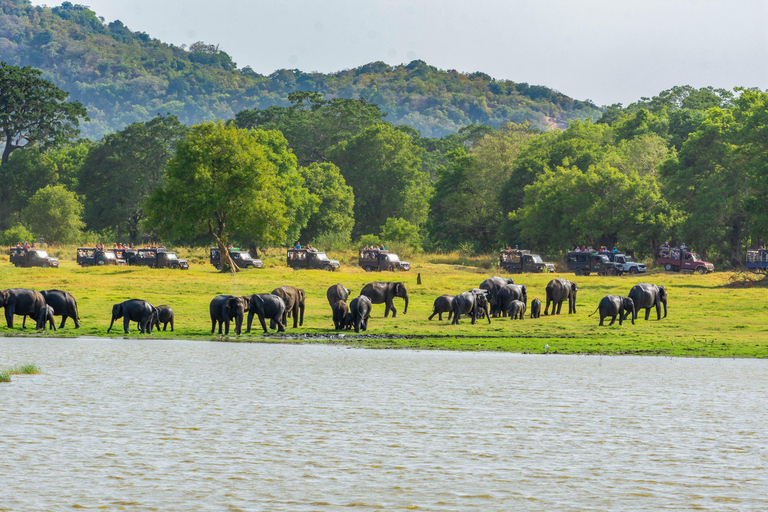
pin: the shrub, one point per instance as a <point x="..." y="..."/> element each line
<point x="16" y="234"/>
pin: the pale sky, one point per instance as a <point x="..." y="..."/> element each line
<point x="608" y="51"/>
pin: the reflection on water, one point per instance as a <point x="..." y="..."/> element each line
<point x="178" y="425"/>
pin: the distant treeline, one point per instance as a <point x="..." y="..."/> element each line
<point x="689" y="165"/>
<point x="123" y="77"/>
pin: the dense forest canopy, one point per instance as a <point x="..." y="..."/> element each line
<point x="123" y="77"/>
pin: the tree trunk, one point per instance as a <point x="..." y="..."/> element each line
<point x="226" y="259"/>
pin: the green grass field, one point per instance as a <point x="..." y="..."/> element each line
<point x="708" y="316"/>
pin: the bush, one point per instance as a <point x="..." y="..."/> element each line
<point x="369" y="240"/>
<point x="332" y="241"/>
<point x="16" y="234"/>
<point x="402" y="231"/>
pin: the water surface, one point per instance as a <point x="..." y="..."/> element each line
<point x="193" y="426"/>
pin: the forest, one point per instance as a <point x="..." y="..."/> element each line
<point x="344" y="166"/>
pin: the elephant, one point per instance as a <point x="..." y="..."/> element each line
<point x="360" y="308"/>
<point x="535" y="308"/>
<point x="63" y="304"/>
<point x="225" y="308"/>
<point x="134" y="310"/>
<point x="164" y="316"/>
<point x="492" y="285"/>
<point x="336" y="293"/>
<point x="613" y="305"/>
<point x="349" y="321"/>
<point x="46" y="317"/>
<point x="21" y="301"/>
<point x="267" y="305"/>
<point x="558" y="290"/>
<point x="471" y="303"/>
<point x="646" y="296"/>
<point x="508" y="293"/>
<point x="294" y="305"/>
<point x="516" y="309"/>
<point x="340" y="312"/>
<point x="386" y="291"/>
<point x="443" y="304"/>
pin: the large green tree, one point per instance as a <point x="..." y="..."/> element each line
<point x="335" y="213"/>
<point x="33" y="111"/>
<point x="383" y="167"/>
<point x="121" y="171"/>
<point x="55" y="213"/>
<point x="221" y="181"/>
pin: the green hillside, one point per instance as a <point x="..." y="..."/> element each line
<point x="123" y="77"/>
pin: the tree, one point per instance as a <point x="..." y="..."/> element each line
<point x="122" y="170"/>
<point x="221" y="182"/>
<point x="28" y="171"/>
<point x="313" y="125"/>
<point x="400" y="230"/>
<point x="335" y="213"/>
<point x="55" y="214"/>
<point x="33" y="110"/>
<point x="382" y="166"/>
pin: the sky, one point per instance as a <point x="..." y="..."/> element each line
<point x="607" y="51"/>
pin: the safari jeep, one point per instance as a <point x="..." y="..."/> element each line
<point x="377" y="259"/>
<point x="310" y="259"/>
<point x="93" y="256"/>
<point x="585" y="263"/>
<point x="160" y="258"/>
<point x="241" y="258"/>
<point x="518" y="261"/>
<point x="32" y="258"/>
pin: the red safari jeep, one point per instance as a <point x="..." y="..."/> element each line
<point x="679" y="259"/>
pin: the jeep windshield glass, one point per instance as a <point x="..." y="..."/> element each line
<point x="171" y="255"/>
<point x="628" y="259"/>
<point x="695" y="256"/>
<point x="245" y="255"/>
<point x="321" y="256"/>
<point x="109" y="256"/>
<point x="536" y="258"/>
<point x="604" y="259"/>
<point x="42" y="254"/>
<point x="392" y="257"/>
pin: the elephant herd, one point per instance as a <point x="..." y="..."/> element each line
<point x="495" y="297"/>
<point x="505" y="298"/>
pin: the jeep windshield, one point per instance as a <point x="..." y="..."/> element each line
<point x="244" y="255"/>
<point x="171" y="255"/>
<point x="536" y="258"/>
<point x="628" y="259"/>
<point x="392" y="257"/>
<point x="41" y="254"/>
<point x="321" y="256"/>
<point x="604" y="259"/>
<point x="695" y="257"/>
<point x="109" y="256"/>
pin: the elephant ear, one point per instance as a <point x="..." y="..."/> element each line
<point x="574" y="288"/>
<point x="663" y="292"/>
<point x="117" y="310"/>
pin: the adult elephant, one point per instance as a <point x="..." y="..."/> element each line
<point x="471" y="303"/>
<point x="294" y="305"/>
<point x="558" y="291"/>
<point x="615" y="305"/>
<point x="385" y="292"/>
<point x="645" y="296"/>
<point x="493" y="285"/>
<point x="336" y="293"/>
<point x="267" y="305"/>
<point x="360" y="308"/>
<point x="443" y="304"/>
<point x="21" y="301"/>
<point x="63" y="304"/>
<point x="510" y="292"/>
<point x="134" y="310"/>
<point x="340" y="312"/>
<point x="165" y="316"/>
<point x="224" y="309"/>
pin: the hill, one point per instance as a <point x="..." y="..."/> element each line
<point x="123" y="77"/>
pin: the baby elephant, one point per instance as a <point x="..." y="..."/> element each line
<point x="164" y="316"/>
<point x="613" y="305"/>
<point x="45" y="317"/>
<point x="516" y="309"/>
<point x="535" y="308"/>
<point x="340" y="312"/>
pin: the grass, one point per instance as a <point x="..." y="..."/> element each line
<point x="715" y="315"/>
<point x="25" y="369"/>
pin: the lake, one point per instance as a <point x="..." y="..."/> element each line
<point x="194" y="426"/>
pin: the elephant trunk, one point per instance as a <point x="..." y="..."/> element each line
<point x="111" y="323"/>
<point x="665" y="307"/>
<point x="405" y="297"/>
<point x="238" y="322"/>
<point x="634" y="314"/>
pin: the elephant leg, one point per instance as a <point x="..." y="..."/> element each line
<point x="63" y="320"/>
<point x="171" y="324"/>
<point x="296" y="316"/>
<point x="213" y="325"/>
<point x="658" y="311"/>
<point x="394" y="310"/>
<point x="275" y="320"/>
<point x="647" y="313"/>
<point x="613" y="320"/>
<point x="546" y="309"/>
<point x="126" y="323"/>
<point x="226" y="327"/>
<point x="433" y="314"/>
<point x="280" y="326"/>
